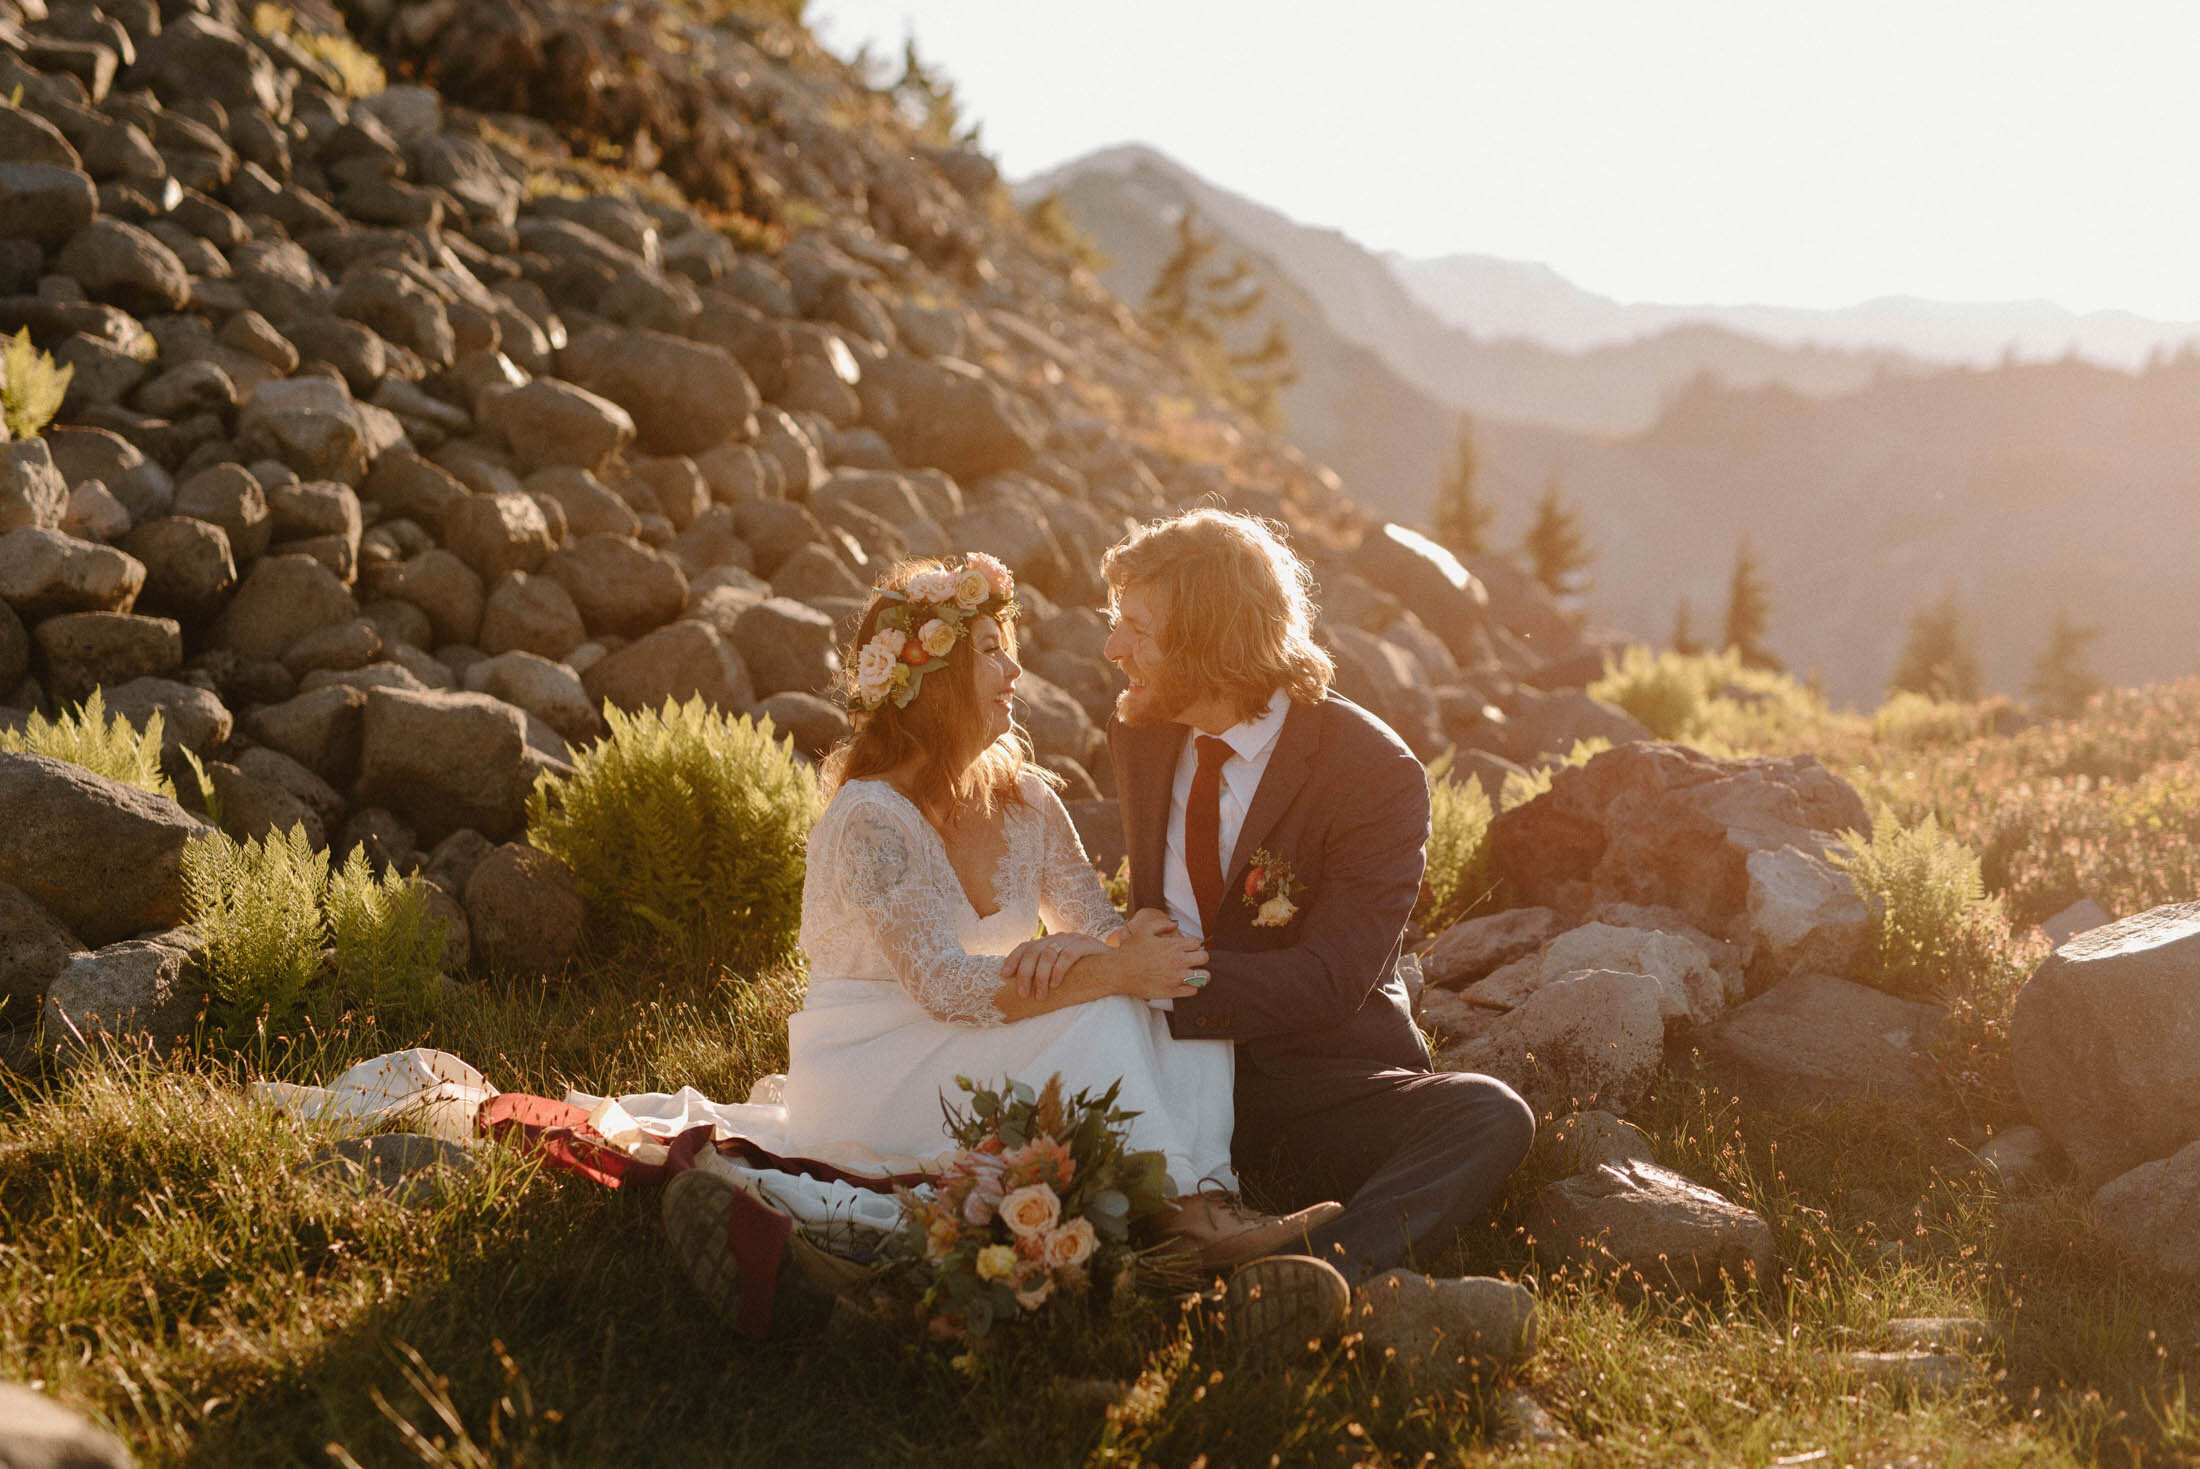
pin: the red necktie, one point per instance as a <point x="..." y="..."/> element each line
<point x="1203" y="831"/>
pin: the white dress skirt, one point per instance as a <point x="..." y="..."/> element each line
<point x="903" y="976"/>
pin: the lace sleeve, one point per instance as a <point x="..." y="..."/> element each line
<point x="1071" y="899"/>
<point x="908" y="914"/>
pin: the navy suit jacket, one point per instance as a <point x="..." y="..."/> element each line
<point x="1346" y="803"/>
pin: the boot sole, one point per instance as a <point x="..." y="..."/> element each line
<point x="695" y="1209"/>
<point x="1280" y="1305"/>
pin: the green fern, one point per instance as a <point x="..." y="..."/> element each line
<point x="88" y="737"/>
<point x="389" y="951"/>
<point x="1457" y="876"/>
<point x="32" y="388"/>
<point x="257" y="908"/>
<point x="688" y="828"/>
<point x="1932" y="923"/>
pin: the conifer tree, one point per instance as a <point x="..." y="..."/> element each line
<point x="2064" y="677"/>
<point x="927" y="101"/>
<point x="1748" y="611"/>
<point x="1461" y="519"/>
<point x="1203" y="309"/>
<point x="1171" y="300"/>
<point x="1683" y="639"/>
<point x="1556" y="546"/>
<point x="1940" y="656"/>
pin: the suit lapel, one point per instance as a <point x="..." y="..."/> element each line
<point x="1288" y="767"/>
<point x="1154" y="751"/>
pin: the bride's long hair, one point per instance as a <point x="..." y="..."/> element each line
<point x="943" y="728"/>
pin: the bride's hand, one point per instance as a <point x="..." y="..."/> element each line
<point x="1038" y="965"/>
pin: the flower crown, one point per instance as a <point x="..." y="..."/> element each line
<point x="931" y="614"/>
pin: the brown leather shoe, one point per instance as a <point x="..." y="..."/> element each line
<point x="1221" y="1232"/>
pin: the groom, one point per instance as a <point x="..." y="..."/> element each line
<point x="1286" y="825"/>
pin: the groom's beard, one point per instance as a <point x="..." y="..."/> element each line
<point x="1157" y="701"/>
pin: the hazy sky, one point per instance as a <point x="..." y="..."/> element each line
<point x="1804" y="154"/>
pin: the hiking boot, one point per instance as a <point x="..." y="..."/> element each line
<point x="695" y="1209"/>
<point x="1281" y="1306"/>
<point x="1220" y="1231"/>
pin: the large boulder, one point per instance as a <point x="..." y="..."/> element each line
<point x="1665" y="825"/>
<point x="498" y="533"/>
<point x="142" y="992"/>
<point x="1814" y="1037"/>
<point x="312" y="424"/>
<point x="189" y="567"/>
<point x="550" y="691"/>
<point x="787" y="647"/>
<point x="1651" y="1229"/>
<point x="678" y="661"/>
<point x="445" y="760"/>
<point x="2105" y="1042"/>
<point x="33" y="949"/>
<point x="43" y="572"/>
<point x="1446" y="1334"/>
<point x="525" y="911"/>
<point x="1595" y="1038"/>
<point x="684" y="396"/>
<point x="319" y="730"/>
<point x="2153" y="1212"/>
<point x="45" y="202"/>
<point x="1475" y="948"/>
<point x="1430" y="579"/>
<point x="949" y="415"/>
<point x="119" y="262"/>
<point x="103" y="858"/>
<point x="1805" y="916"/>
<point x="1689" y="985"/>
<point x="40" y="1433"/>
<point x="618" y="584"/>
<point x="284" y="598"/>
<point x="81" y="651"/>
<point x="550" y="422"/>
<point x="530" y="614"/>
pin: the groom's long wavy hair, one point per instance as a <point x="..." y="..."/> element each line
<point x="1236" y="605"/>
<point x="942" y="728"/>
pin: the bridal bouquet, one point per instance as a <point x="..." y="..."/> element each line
<point x="1036" y="1204"/>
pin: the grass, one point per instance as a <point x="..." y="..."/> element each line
<point x="165" y="1268"/>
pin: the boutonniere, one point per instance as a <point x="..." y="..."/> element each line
<point x="1269" y="883"/>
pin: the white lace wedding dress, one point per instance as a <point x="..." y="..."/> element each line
<point x="903" y="971"/>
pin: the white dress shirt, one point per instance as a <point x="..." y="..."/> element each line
<point x="1251" y="742"/>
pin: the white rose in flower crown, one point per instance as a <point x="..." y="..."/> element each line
<point x="938" y="638"/>
<point x="932" y="586"/>
<point x="971" y="588"/>
<point x="1032" y="1211"/>
<point x="995" y="573"/>
<point x="1072" y="1244"/>
<point x="875" y="664"/>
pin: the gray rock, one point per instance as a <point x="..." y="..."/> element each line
<point x="33" y="950"/>
<point x="550" y="691"/>
<point x="274" y="768"/>
<point x="15" y="648"/>
<point x="525" y="911"/>
<point x="439" y="584"/>
<point x="387" y="674"/>
<point x="550" y="422"/>
<point x="1475" y="947"/>
<point x="1057" y="723"/>
<point x="1652" y="1229"/>
<point x="679" y="661"/>
<point x="192" y="718"/>
<point x="2105" y="1042"/>
<point x="589" y="506"/>
<point x="119" y="262"/>
<point x="1805" y="915"/>
<point x="320" y="730"/>
<point x="787" y="646"/>
<point x="282" y="599"/>
<point x="1816" y="1038"/>
<point x="143" y="992"/>
<point x="101" y="857"/>
<point x="2083" y="916"/>
<point x="45" y="202"/>
<point x="530" y="614"/>
<point x="619" y="585"/>
<point x="684" y="396"/>
<point x="814" y="574"/>
<point x="1942" y="1333"/>
<point x="445" y="760"/>
<point x="94" y="514"/>
<point x="1920" y="1374"/>
<point x="454" y="859"/>
<point x="38" y="1433"/>
<point x="411" y="1167"/>
<point x="1429" y="579"/>
<point x="352" y="644"/>
<point x="32" y="491"/>
<point x="1446" y="1334"/>
<point x="43" y="572"/>
<point x="1588" y="1038"/>
<point x="1690" y="988"/>
<point x="775" y="530"/>
<point x="253" y="809"/>
<point x="312" y="424"/>
<point x="196" y="56"/>
<point x="950" y="415"/>
<point x="815" y="725"/>
<point x="189" y="567"/>
<point x="82" y="650"/>
<point x="2153" y="1212"/>
<point x="497" y="534"/>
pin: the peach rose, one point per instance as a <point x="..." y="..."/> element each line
<point x="938" y="638"/>
<point x="1072" y="1244"/>
<point x="971" y="588"/>
<point x="931" y="586"/>
<point x="995" y="573"/>
<point x="1031" y="1211"/>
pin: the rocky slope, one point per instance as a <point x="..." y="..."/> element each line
<point x="608" y="360"/>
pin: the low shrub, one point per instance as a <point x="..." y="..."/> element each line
<point x="1910" y="719"/>
<point x="1713" y="701"/>
<point x="688" y="829"/>
<point x="112" y="747"/>
<point x="287" y="940"/>
<point x="1457" y="875"/>
<point x="1933" y="927"/>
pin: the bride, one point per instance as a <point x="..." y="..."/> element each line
<point x="942" y="849"/>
